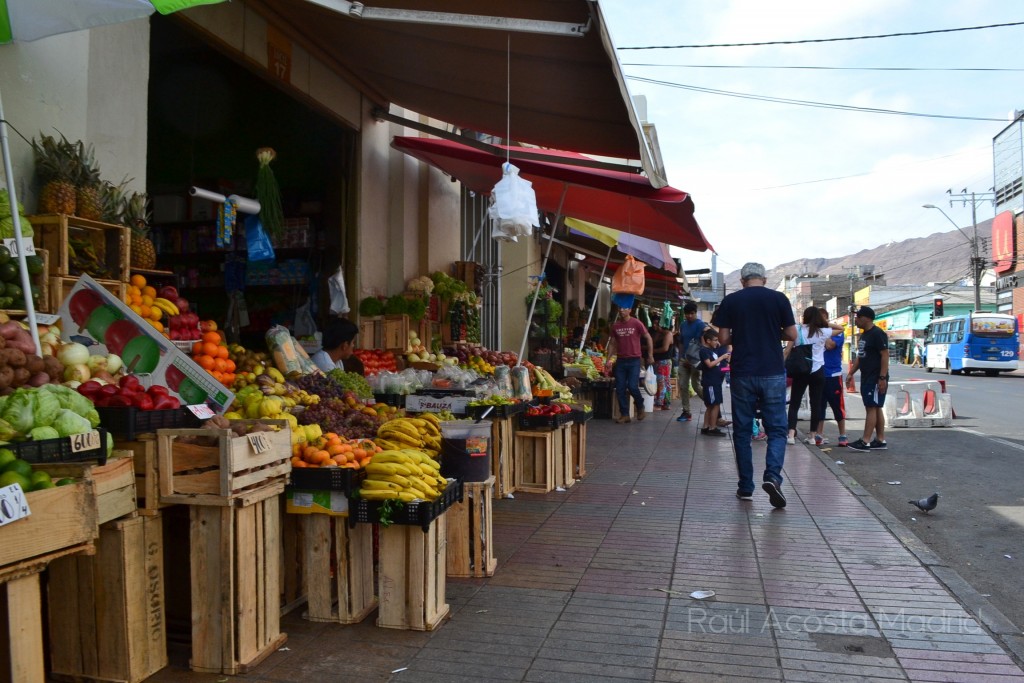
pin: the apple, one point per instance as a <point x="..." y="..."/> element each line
<point x="207" y="325"/>
<point x="181" y="303"/>
<point x="168" y="292"/>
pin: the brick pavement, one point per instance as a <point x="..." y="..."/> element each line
<point x="593" y="585"/>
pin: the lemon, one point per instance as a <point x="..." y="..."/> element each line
<point x="10" y="477"/>
<point x="18" y="465"/>
<point x="6" y="456"/>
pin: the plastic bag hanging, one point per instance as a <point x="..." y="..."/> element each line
<point x="513" y="209"/>
<point x="666" y="316"/>
<point x="629" y="278"/>
<point x="268" y="193"/>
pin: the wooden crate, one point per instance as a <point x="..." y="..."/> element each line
<point x="502" y="444"/>
<point x="371" y="332"/>
<point x="62" y="517"/>
<point x="61" y="286"/>
<point x="338" y="567"/>
<point x="236" y="584"/>
<point x="293" y="581"/>
<point x="411" y="576"/>
<point x="217" y="475"/>
<point x="111" y="243"/>
<point x="565" y="474"/>
<point x="395" y="333"/>
<point x="115" y="483"/>
<point x="41" y="281"/>
<point x="534" y="457"/>
<point x="107" y="612"/>
<point x="471" y="532"/>
<point x="147" y="478"/>
<point x="579" y="449"/>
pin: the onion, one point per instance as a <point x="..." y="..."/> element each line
<point x="74" y="354"/>
<point x="78" y="372"/>
<point x="97" y="364"/>
<point x="114" y="363"/>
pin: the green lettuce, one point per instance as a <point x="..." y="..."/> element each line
<point x="6" y="431"/>
<point x="69" y="422"/>
<point x="46" y="408"/>
<point x="70" y="399"/>
<point x="18" y="411"/>
<point x="40" y="433"/>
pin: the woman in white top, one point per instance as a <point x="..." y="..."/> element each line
<point x="810" y="332"/>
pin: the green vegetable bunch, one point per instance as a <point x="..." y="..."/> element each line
<point x="47" y="412"/>
<point x="396" y="305"/>
<point x="371" y="306"/>
<point x="447" y="287"/>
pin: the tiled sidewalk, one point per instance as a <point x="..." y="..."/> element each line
<point x="593" y="585"/>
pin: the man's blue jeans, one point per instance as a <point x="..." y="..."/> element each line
<point x="627" y="379"/>
<point x="769" y="395"/>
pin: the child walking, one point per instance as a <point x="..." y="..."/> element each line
<point x="711" y="381"/>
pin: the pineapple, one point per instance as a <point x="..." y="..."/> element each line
<point x="55" y="165"/>
<point x="136" y="215"/>
<point x="87" y="176"/>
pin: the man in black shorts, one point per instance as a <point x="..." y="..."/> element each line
<point x="873" y="362"/>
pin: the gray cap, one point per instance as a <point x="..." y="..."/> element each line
<point x="752" y="269"/>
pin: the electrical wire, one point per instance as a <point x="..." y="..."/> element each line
<point x="819" y="68"/>
<point x="825" y="40"/>
<point x="808" y="103"/>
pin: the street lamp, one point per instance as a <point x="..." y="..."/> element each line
<point x="975" y="256"/>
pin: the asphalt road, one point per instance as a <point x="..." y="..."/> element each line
<point x="975" y="466"/>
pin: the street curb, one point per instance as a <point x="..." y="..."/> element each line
<point x="1001" y="628"/>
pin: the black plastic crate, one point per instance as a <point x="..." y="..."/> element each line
<point x="420" y="514"/>
<point x="499" y="413"/>
<point x="581" y="416"/>
<point x="544" y="421"/>
<point x="344" y="479"/>
<point x="396" y="400"/>
<point x="60" y="450"/>
<point x="129" y="422"/>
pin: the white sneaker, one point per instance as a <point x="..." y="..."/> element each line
<point x="791" y="440"/>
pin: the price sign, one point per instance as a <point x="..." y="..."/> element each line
<point x="12" y="246"/>
<point x="89" y="441"/>
<point x="47" y="318"/>
<point x="202" y="411"/>
<point x="13" y="505"/>
<point x="259" y="442"/>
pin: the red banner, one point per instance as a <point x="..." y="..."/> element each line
<point x="1003" y="234"/>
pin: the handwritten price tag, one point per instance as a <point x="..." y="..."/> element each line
<point x="202" y="411"/>
<point x="89" y="441"/>
<point x="13" y="505"/>
<point x="259" y="442"/>
<point x="12" y="246"/>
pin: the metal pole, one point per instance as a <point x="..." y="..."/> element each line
<point x="593" y="305"/>
<point x="976" y="256"/>
<point x="543" y="266"/>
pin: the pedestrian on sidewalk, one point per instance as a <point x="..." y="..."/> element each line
<point x="810" y="333"/>
<point x="624" y="344"/>
<point x="755" y="320"/>
<point x="833" y="395"/>
<point x="711" y="380"/>
<point x="663" y="353"/>
<point x="688" y="341"/>
<point x="873" y="362"/>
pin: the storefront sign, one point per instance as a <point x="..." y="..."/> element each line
<point x="279" y="55"/>
<point x="1003" y="234"/>
<point x="456" y="405"/>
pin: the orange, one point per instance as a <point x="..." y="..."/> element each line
<point x="155" y="313"/>
<point x="205" y="362"/>
<point x="230" y="365"/>
<point x="210" y="349"/>
<point x="197" y="348"/>
<point x="144" y="311"/>
<point x="211" y="337"/>
<point x="218" y="376"/>
<point x="299" y="463"/>
<point x="322" y="457"/>
<point x="138" y="281"/>
<point x="149" y="291"/>
<point x="135" y="308"/>
<point x="147" y="300"/>
<point x="218" y="364"/>
<point x="334" y="448"/>
<point x="159" y="326"/>
<point x="222" y="352"/>
<point x="339" y="460"/>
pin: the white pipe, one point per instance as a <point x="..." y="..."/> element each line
<point x="543" y="267"/>
<point x="593" y="306"/>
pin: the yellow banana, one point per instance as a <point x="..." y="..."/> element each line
<point x="403" y="482"/>
<point x="402" y="438"/>
<point x="166" y="306"/>
<point x="378" y="494"/>
<point x="394" y="456"/>
<point x="388" y="445"/>
<point x="381" y="485"/>
<point x="418" y="421"/>
<point x="407" y="496"/>
<point x="427" y="492"/>
<point x="400" y="425"/>
<point x="387" y="468"/>
<point x="442" y="483"/>
<point x="432" y="418"/>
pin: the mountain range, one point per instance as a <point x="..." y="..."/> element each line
<point x="939" y="257"/>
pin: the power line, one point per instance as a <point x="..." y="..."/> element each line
<point x="808" y="103"/>
<point x="824" y="40"/>
<point x="818" y="68"/>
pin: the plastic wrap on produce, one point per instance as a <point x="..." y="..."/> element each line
<point x="288" y="354"/>
<point x="521" y="383"/>
<point x="503" y="378"/>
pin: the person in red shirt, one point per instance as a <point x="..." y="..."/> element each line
<point x="624" y="341"/>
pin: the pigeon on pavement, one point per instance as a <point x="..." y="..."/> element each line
<point x="926" y="504"/>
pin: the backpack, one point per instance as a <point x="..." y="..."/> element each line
<point x="799" y="362"/>
<point x="692" y="353"/>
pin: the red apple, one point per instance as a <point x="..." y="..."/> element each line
<point x="168" y="292"/>
<point x="182" y="304"/>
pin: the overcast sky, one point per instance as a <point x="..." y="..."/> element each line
<point x="774" y="182"/>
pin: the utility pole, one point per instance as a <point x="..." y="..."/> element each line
<point x="977" y="263"/>
<point x="854" y="273"/>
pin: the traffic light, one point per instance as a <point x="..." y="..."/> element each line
<point x="937" y="310"/>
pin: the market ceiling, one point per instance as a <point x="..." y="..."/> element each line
<point x="563" y="91"/>
<point x="614" y="199"/>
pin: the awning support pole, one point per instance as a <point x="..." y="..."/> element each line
<point x="543" y="267"/>
<point x="26" y="283"/>
<point x="593" y="305"/>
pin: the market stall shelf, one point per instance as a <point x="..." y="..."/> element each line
<point x="107" y="612"/>
<point x="502" y="444"/>
<point x="534" y="457"/>
<point x="470" y="551"/>
<point x="60" y="287"/>
<point x="114" y="482"/>
<point x="236" y="584"/>
<point x="338" y="566"/>
<point x="236" y="467"/>
<point x="579" y="449"/>
<point x="565" y="472"/>
<point x="107" y="246"/>
<point x="147" y="477"/>
<point x="395" y="333"/>
<point x="293" y="582"/>
<point x="371" y="332"/>
<point x="411" y="576"/>
<point x="40" y="281"/>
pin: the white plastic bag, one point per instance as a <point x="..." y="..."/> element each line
<point x="513" y="209"/>
<point x="339" y="299"/>
<point x="304" y="325"/>
<point x="650" y="381"/>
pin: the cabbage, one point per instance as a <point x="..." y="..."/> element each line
<point x="6" y="431"/>
<point x="93" y="417"/>
<point x="18" y="411"/>
<point x="46" y="408"/>
<point x="69" y="422"/>
<point x="40" y="433"/>
<point x="69" y="398"/>
<point x="110" y="444"/>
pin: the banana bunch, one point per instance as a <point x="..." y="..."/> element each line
<point x="167" y="306"/>
<point x="411" y="432"/>
<point x="405" y="474"/>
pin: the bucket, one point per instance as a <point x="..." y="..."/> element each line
<point x="466" y="450"/>
<point x="648" y="402"/>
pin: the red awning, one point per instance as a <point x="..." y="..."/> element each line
<point x="610" y="198"/>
